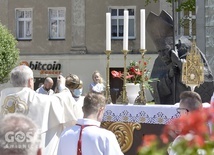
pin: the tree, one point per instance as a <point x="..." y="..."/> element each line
<point x="9" y="54"/>
<point x="184" y="5"/>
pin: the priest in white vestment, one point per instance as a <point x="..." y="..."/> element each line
<point x="52" y="113"/>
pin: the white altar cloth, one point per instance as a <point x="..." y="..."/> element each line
<point x="151" y="114"/>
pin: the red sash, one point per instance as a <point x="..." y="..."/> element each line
<point x="79" y="144"/>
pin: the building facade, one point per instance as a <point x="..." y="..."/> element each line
<point x="72" y="26"/>
<point x="71" y="34"/>
<point x="205" y="29"/>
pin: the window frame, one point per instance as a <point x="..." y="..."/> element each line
<point x="57" y="19"/>
<point x="122" y="17"/>
<point x="189" y="17"/>
<point x="25" y="20"/>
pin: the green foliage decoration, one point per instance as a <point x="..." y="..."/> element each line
<point x="185" y="5"/>
<point x="9" y="53"/>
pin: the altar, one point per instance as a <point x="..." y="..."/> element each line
<point x="131" y="122"/>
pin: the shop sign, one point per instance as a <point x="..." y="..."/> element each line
<point x="44" y="66"/>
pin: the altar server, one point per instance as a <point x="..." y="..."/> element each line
<point x="50" y="112"/>
<point x="86" y="137"/>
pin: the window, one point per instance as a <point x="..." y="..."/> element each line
<point x="117" y="22"/>
<point x="57" y="23"/>
<point x="188" y="24"/>
<point x="24" y="24"/>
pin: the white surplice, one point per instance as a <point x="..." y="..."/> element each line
<point x="95" y="140"/>
<point x="52" y="113"/>
<point x="80" y="102"/>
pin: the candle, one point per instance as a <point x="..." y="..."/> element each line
<point x="142" y="29"/>
<point x="125" y="30"/>
<point x="108" y="31"/>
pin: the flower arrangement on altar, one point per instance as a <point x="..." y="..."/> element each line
<point x="134" y="73"/>
<point x="196" y="136"/>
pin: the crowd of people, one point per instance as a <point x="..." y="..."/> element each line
<point x="51" y="112"/>
<point x="62" y="122"/>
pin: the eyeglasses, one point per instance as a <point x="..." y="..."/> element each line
<point x="179" y="110"/>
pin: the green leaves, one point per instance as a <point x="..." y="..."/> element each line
<point x="9" y="54"/>
<point x="185" y="5"/>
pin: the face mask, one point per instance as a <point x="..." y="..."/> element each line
<point x="77" y="92"/>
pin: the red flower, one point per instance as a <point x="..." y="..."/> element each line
<point x="132" y="70"/>
<point x="165" y="138"/>
<point x="116" y="74"/>
<point x="194" y="130"/>
<point x="136" y="73"/>
<point x="129" y="76"/>
<point x="194" y="123"/>
<point x="198" y="141"/>
<point x="149" y="139"/>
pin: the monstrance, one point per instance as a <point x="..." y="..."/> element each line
<point x="193" y="68"/>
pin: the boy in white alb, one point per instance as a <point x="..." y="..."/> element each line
<point x="86" y="137"/>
